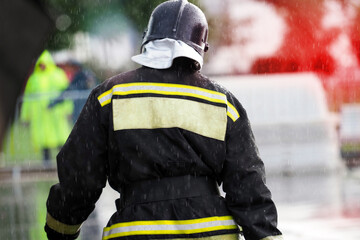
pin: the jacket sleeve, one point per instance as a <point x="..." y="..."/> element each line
<point x="247" y="197"/>
<point x="82" y="172"/>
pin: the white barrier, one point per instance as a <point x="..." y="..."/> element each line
<point x="293" y="127"/>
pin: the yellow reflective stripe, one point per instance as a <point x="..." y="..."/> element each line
<point x="233" y="236"/>
<point x="161" y="88"/>
<point x="162" y="232"/>
<point x="279" y="237"/>
<point x="61" y="227"/>
<point x="170" y="227"/>
<point x="188" y="94"/>
<point x="158" y="85"/>
<point x="232" y="112"/>
<point x="169" y="222"/>
<point x="168" y="89"/>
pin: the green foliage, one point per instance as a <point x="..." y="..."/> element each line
<point x="73" y="16"/>
<point x="139" y="11"/>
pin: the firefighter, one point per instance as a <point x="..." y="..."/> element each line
<point x="164" y="136"/>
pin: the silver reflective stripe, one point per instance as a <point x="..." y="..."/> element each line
<point x="168" y="89"/>
<point x="162" y="88"/>
<point x="173" y="227"/>
<point x="234" y="236"/>
<point x="232" y="112"/>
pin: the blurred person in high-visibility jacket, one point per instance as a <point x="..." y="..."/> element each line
<point x="49" y="128"/>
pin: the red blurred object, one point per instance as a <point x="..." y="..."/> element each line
<point x="321" y="63"/>
<point x="355" y="35"/>
<point x="343" y="87"/>
<point x="306" y="43"/>
<point x="306" y="48"/>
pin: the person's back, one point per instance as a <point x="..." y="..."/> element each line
<point x="163" y="136"/>
<point x="165" y="122"/>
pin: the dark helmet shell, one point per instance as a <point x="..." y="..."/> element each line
<point x="179" y="20"/>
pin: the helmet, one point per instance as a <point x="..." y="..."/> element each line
<point x="179" y="20"/>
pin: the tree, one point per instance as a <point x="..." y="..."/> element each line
<point x="73" y="16"/>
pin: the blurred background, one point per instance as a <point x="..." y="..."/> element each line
<point x="293" y="64"/>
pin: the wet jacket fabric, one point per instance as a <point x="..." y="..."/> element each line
<point x="49" y="128"/>
<point x="148" y="125"/>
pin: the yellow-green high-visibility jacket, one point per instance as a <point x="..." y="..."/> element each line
<point x="148" y="125"/>
<point x="49" y="128"/>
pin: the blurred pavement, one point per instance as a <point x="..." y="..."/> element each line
<point x="311" y="206"/>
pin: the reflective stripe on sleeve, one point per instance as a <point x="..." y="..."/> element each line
<point x="61" y="227"/>
<point x="232" y="112"/>
<point x="168" y="89"/>
<point x="170" y="227"/>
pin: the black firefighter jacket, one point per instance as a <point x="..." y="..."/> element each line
<point x="146" y="125"/>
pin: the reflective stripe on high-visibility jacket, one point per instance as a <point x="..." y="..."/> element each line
<point x="61" y="227"/>
<point x="169" y="90"/>
<point x="169" y="227"/>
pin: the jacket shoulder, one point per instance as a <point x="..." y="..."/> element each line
<point x="109" y="83"/>
<point x="235" y="107"/>
<point x="213" y="85"/>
